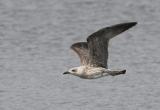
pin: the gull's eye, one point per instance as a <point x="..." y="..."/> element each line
<point x="74" y="70"/>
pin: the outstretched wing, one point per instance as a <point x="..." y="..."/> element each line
<point x="98" y="43"/>
<point x="81" y="48"/>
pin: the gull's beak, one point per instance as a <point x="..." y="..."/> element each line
<point x="66" y="72"/>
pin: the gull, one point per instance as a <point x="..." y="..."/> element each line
<point x="93" y="54"/>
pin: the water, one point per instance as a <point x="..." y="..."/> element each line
<point x="35" y="36"/>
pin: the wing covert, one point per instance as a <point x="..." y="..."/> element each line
<point x="98" y="43"/>
<point x="81" y="48"/>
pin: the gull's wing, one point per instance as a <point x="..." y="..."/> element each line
<point x="81" y="48"/>
<point x="98" y="43"/>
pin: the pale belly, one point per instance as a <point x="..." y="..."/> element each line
<point x="94" y="76"/>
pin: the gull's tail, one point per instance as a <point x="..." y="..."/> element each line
<point x="115" y="72"/>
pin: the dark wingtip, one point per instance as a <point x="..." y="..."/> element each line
<point x="114" y="30"/>
<point x="132" y="23"/>
<point x="124" y="26"/>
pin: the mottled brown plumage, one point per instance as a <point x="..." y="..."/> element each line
<point x="81" y="48"/>
<point x="93" y="54"/>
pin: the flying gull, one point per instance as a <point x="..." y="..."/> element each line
<point x="93" y="54"/>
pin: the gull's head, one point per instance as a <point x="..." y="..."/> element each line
<point x="75" y="71"/>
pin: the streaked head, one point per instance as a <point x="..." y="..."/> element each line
<point x="75" y="71"/>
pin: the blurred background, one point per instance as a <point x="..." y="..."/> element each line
<point x="35" y="39"/>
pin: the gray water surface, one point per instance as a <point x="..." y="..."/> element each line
<point x="35" y="37"/>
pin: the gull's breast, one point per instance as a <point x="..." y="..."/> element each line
<point x="93" y="73"/>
